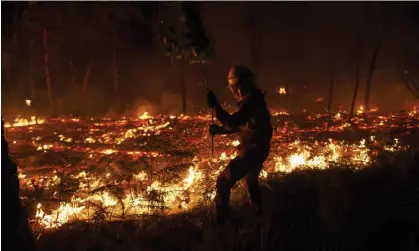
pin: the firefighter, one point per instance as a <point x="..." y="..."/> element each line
<point x="253" y="122"/>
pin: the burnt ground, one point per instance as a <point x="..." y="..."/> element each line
<point x="375" y="208"/>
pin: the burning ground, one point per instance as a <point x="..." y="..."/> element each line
<point x="99" y="169"/>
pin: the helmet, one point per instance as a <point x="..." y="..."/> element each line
<point x="240" y="78"/>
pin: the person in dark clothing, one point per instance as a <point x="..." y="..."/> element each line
<point x="19" y="236"/>
<point x="253" y="122"/>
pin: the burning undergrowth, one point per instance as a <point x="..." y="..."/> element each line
<point x="100" y="169"/>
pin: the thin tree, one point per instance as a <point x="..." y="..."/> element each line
<point x="351" y="114"/>
<point x="370" y="76"/>
<point x="87" y="75"/>
<point x="46" y="66"/>
<point x="31" y="80"/>
<point x="359" y="56"/>
<point x="115" y="75"/>
<point x="188" y="45"/>
<point x="408" y="82"/>
<point x="331" y="87"/>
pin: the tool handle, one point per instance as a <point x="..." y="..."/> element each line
<point x="212" y="115"/>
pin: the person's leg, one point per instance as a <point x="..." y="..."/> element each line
<point x="252" y="181"/>
<point x="255" y="157"/>
<point x="234" y="171"/>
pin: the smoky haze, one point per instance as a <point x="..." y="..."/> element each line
<point x="301" y="45"/>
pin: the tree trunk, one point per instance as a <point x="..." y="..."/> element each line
<point x="31" y="82"/>
<point x="183" y="86"/>
<point x="360" y="53"/>
<point x="329" y="105"/>
<point x="46" y="65"/>
<point x="370" y="75"/>
<point x="73" y="74"/>
<point x="405" y="80"/>
<point x="156" y="47"/>
<point x="89" y="69"/>
<point x="355" y="92"/>
<point x="115" y="77"/>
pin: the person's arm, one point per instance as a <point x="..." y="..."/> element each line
<point x="223" y="130"/>
<point x="215" y="129"/>
<point x="235" y="120"/>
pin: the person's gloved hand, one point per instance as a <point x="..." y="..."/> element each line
<point x="212" y="100"/>
<point x="214" y="129"/>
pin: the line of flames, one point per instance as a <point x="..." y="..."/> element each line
<point x="186" y="194"/>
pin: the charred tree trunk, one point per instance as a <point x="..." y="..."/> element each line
<point x="89" y="69"/>
<point x="370" y="75"/>
<point x="351" y="114"/>
<point x="73" y="74"/>
<point x="183" y="86"/>
<point x="46" y="67"/>
<point x="155" y="44"/>
<point x="329" y="105"/>
<point x="359" y="56"/>
<point x="180" y="66"/>
<point x="115" y="78"/>
<point x="403" y="76"/>
<point x="6" y="76"/>
<point x="31" y="82"/>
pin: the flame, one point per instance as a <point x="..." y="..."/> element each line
<point x="44" y="147"/>
<point x="360" y="111"/>
<point x="235" y="143"/>
<point x="58" y="217"/>
<point x="280" y="113"/>
<point x="144" y="116"/>
<point x="282" y="91"/>
<point x="28" y="102"/>
<point x="25" y="122"/>
<point x="414" y="111"/>
<point x="141" y="176"/>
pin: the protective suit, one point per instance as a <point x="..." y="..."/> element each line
<point x="253" y="122"/>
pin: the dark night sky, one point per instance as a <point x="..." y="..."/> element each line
<point x="298" y="41"/>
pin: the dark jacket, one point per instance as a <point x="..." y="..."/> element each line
<point x="252" y="120"/>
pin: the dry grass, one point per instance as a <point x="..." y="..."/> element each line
<point x="336" y="209"/>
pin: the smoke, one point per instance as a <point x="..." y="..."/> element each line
<point x="141" y="106"/>
<point x="170" y="103"/>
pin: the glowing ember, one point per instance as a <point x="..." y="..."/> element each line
<point x="414" y="112"/>
<point x="145" y="116"/>
<point x="25" y="122"/>
<point x="28" y="102"/>
<point x="360" y="111"/>
<point x="235" y="143"/>
<point x="282" y="91"/>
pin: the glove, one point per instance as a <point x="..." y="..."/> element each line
<point x="212" y="100"/>
<point x="214" y="129"/>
